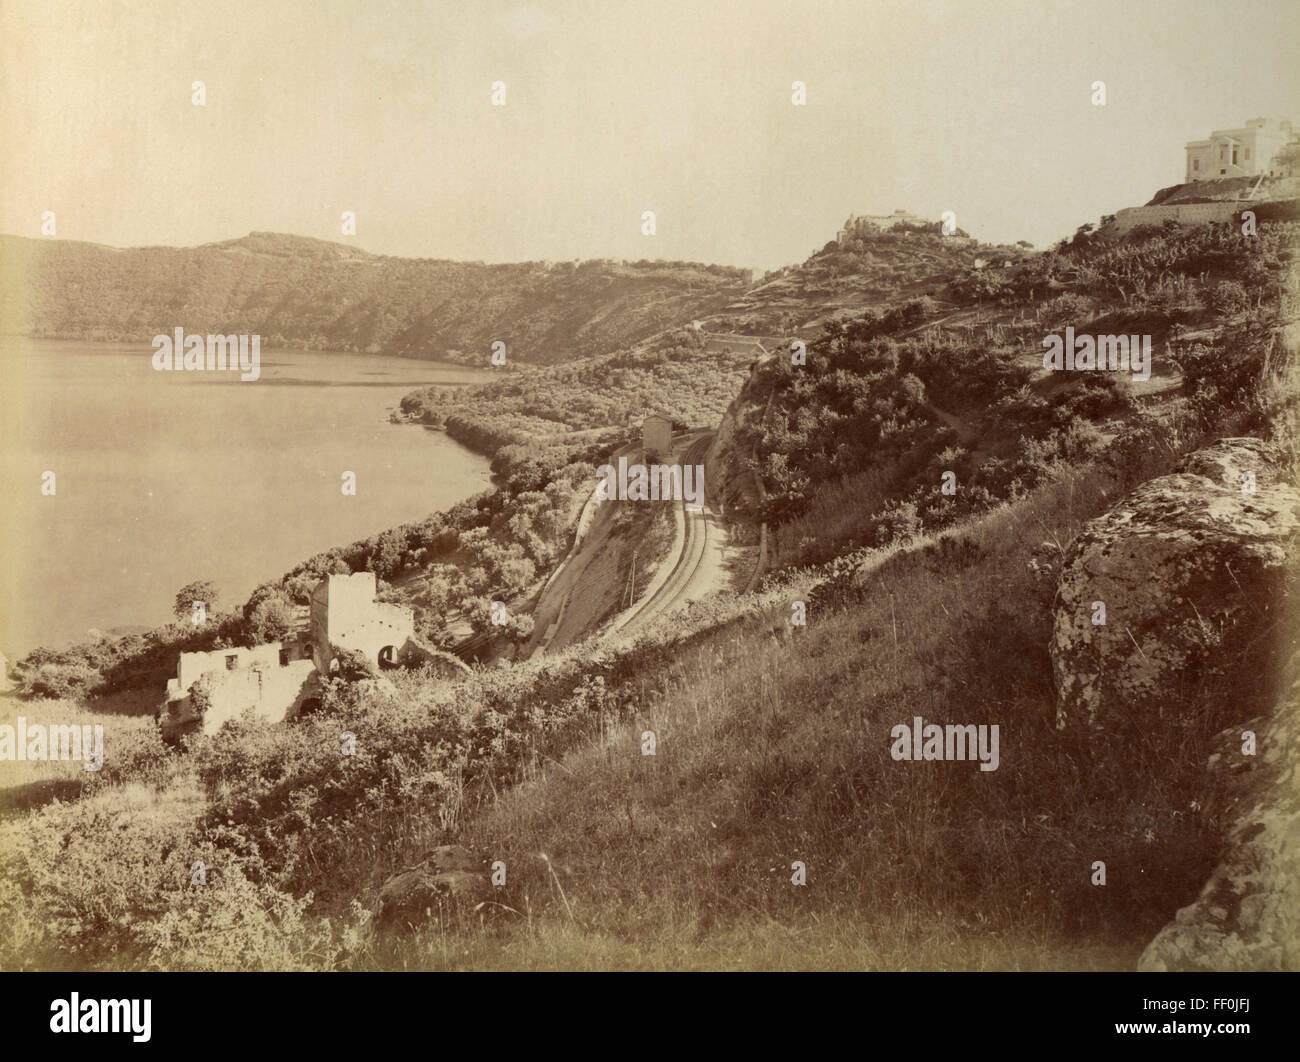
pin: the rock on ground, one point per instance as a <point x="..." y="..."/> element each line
<point x="449" y="880"/>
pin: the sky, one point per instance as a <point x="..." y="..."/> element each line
<point x="613" y="108"/>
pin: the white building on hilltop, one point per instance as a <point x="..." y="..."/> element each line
<point x="1245" y="152"/>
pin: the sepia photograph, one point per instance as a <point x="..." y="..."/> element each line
<point x="662" y="486"/>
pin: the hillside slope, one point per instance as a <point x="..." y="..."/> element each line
<point x="861" y="271"/>
<point x="692" y="371"/>
<point x="304" y="293"/>
<point x="852" y="449"/>
<point x="651" y="801"/>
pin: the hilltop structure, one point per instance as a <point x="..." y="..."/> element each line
<point x="1226" y="174"/>
<point x="862" y="224"/>
<point x="280" y="681"/>
<point x="1245" y="152"/>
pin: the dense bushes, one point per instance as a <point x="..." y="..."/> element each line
<point x="610" y="393"/>
<point x="874" y="397"/>
<point x="127" y="662"/>
<point x="863" y="402"/>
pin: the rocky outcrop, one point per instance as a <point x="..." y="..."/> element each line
<point x="1247" y="916"/>
<point x="1169" y="610"/>
<point x="1175" y="592"/>
<point x="447" y="882"/>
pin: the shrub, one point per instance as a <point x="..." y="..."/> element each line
<point x="1065" y="309"/>
<point x="898" y="521"/>
<point x="353" y="665"/>
<point x="1227" y="299"/>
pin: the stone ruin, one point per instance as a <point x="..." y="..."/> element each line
<point x="280" y="681"/>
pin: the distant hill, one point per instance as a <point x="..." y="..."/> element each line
<point x="864" y="270"/>
<point x="306" y="293"/>
<point x="693" y="374"/>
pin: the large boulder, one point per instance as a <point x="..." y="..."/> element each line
<point x="1189" y="570"/>
<point x="1247" y="916"/>
<point x="449" y="881"/>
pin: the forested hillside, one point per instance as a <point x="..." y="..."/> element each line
<point x="672" y="374"/>
<point x="679" y="372"/>
<point x="853" y="447"/>
<point x="304" y="293"/>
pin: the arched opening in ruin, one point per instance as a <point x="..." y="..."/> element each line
<point x="310" y="706"/>
<point x="388" y="658"/>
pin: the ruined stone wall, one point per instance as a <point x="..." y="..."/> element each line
<point x="192" y="666"/>
<point x="351" y="601"/>
<point x="272" y="693"/>
<point x="387" y="625"/>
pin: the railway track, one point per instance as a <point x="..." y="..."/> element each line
<point x="695" y="541"/>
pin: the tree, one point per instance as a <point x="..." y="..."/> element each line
<point x="270" y="618"/>
<point x="199" y="590"/>
<point x="386" y="559"/>
<point x="518" y="628"/>
<point x="1083" y="235"/>
<point x="1288" y="159"/>
<point x="478" y="612"/>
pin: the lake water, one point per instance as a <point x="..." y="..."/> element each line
<point x="166" y="477"/>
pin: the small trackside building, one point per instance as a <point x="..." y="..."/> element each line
<point x="657" y="435"/>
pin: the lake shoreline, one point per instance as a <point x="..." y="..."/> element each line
<point x="165" y="477"/>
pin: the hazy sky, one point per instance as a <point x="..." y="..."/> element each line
<point x="614" y="107"/>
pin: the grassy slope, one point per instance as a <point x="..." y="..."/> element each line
<point x="770" y="753"/>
